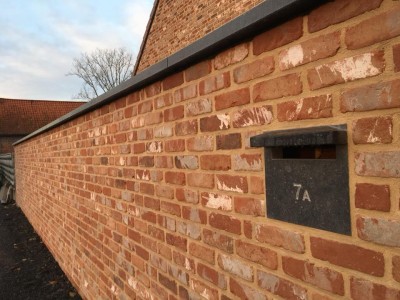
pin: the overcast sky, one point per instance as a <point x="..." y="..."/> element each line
<point x="40" y="38"/>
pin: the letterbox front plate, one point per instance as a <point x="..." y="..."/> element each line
<point x="313" y="192"/>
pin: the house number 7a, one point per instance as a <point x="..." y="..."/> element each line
<point x="306" y="195"/>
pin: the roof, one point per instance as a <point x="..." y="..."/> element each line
<point x="21" y="117"/>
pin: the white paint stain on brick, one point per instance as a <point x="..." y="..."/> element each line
<point x="224" y="119"/>
<point x="223" y="202"/>
<point x="236" y="267"/>
<point x="223" y="187"/>
<point x="187" y="264"/>
<point x="292" y="57"/>
<point x="155" y="147"/>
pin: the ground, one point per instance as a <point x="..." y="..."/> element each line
<point x="27" y="269"/>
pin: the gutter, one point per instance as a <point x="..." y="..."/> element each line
<point x="264" y="16"/>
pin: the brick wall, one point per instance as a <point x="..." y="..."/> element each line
<point x="158" y="194"/>
<point x="6" y="143"/>
<point x="179" y="23"/>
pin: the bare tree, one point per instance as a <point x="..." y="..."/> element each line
<point x="102" y="70"/>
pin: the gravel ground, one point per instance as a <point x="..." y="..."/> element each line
<point x="27" y="268"/>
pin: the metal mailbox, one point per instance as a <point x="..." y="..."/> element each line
<point x="306" y="172"/>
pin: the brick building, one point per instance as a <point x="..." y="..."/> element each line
<point x="158" y="189"/>
<point x="18" y="118"/>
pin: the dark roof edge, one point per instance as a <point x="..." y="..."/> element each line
<point x="266" y="15"/>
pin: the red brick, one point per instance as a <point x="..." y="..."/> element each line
<point x="275" y="236"/>
<point x="224" y="222"/>
<point x="320" y="47"/>
<point x="190" y="162"/>
<point x="216" y="201"/>
<point x="349" y="256"/>
<point x="323" y="17"/>
<point x="257" y="185"/>
<point x="217" y="240"/>
<point x="380" y="95"/>
<point x="175" y="113"/>
<point x="186" y="127"/>
<point x="153" y="118"/>
<point x="232" y="98"/>
<point x="361" y="289"/>
<point x="379" y="231"/>
<point x="231" y="56"/>
<point x="145" y="107"/>
<point x="151" y="203"/>
<point x="197" y="71"/>
<point x="175" y="145"/>
<point x="149" y="216"/>
<point x="254" y="116"/>
<point x="178" y="178"/>
<point x="288" y="85"/>
<point x="372" y="196"/>
<point x="179" y="275"/>
<point x="373" y="130"/>
<point x="153" y="89"/>
<point x="162" y="101"/>
<point x="215" y="123"/>
<point x="278" y="36"/>
<point x="214" y="83"/>
<point x="187" y="195"/>
<point x="396" y="268"/>
<point x="249" y="206"/>
<point x="185" y="93"/>
<point x="245" y="292"/>
<point x="183" y="261"/>
<point x="194" y="214"/>
<point x="171" y="208"/>
<point x="215" y="162"/>
<point x="321" y="277"/>
<point x="146" y="161"/>
<point x="133" y="98"/>
<point x="144" y="134"/>
<point x="281" y="287"/>
<point x="229" y="141"/>
<point x="257" y="254"/>
<point x="253" y="70"/>
<point x="307" y="108"/>
<point x="376" y="29"/>
<point x="198" y="107"/>
<point x="212" y="276"/>
<point x="201" y="252"/>
<point x="168" y="283"/>
<point x="200" y="180"/>
<point x="177" y="241"/>
<point x="396" y="57"/>
<point x="380" y="164"/>
<point x="154" y="147"/>
<point x="236" y="267"/>
<point x="163" y="162"/>
<point x="247" y="162"/>
<point x="200" y="143"/>
<point x="202" y="289"/>
<point x="156" y="233"/>
<point x="231" y="183"/>
<point x="345" y="70"/>
<point x="172" y="81"/>
<point x="163" y="131"/>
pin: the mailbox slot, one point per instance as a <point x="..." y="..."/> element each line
<point x="306" y="174"/>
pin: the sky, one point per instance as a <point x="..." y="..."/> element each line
<point x="40" y="38"/>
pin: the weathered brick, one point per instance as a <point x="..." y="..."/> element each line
<point x="175" y="113"/>
<point x="235" y="267"/>
<point x="380" y="164"/>
<point x="215" y="162"/>
<point x="372" y="196"/>
<point x="172" y="81"/>
<point x="198" y="107"/>
<point x="216" y="201"/>
<point x="212" y="276"/>
<point x="215" y="123"/>
<point x="187" y="195"/>
<point x="175" y="145"/>
<point x="146" y="161"/>
<point x="253" y="70"/>
<point x="257" y="254"/>
<point x="162" y="101"/>
<point x="163" y="162"/>
<point x="187" y="162"/>
<point x="323" y="17"/>
<point x="153" y="89"/>
<point x="185" y="93"/>
<point x="362" y="289"/>
<point x="163" y="131"/>
<point x="152" y="203"/>
<point x="201" y="252"/>
<point x="200" y="180"/>
<point x="171" y="208"/>
<point x="197" y="71"/>
<point x="214" y="83"/>
<point x="307" y="108"/>
<point x="396" y="268"/>
<point x="288" y="85"/>
<point x="153" y="118"/>
<point x="154" y="147"/>
<point x="145" y="107"/>
<point x="257" y="186"/>
<point x="245" y="292"/>
<point x="321" y="277"/>
<point x="289" y="240"/>
<point x="231" y="56"/>
<point x="373" y="130"/>
<point x="380" y="95"/>
<point x="232" y="98"/>
<point x="200" y="143"/>
<point x="178" y="178"/>
<point x="249" y="206"/>
<point x="229" y="141"/>
<point x="186" y="127"/>
<point x="348" y="256"/>
<point x="253" y="116"/>
<point x="247" y="162"/>
<point x="218" y="240"/>
<point x="345" y="70"/>
<point x="194" y="214"/>
<point x="320" y="47"/>
<point x="232" y="183"/>
<point x="202" y="289"/>
<point x="281" y="287"/>
<point x="177" y="241"/>
<point x="379" y="231"/>
<point x="144" y="134"/>
<point x="278" y="36"/>
<point x="225" y="222"/>
<point x="385" y="26"/>
<point x="168" y="283"/>
<point x="396" y="57"/>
